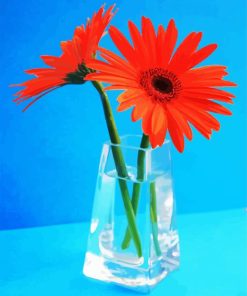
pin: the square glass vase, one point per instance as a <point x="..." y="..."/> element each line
<point x="133" y="239"/>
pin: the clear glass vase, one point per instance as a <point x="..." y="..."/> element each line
<point x="112" y="254"/>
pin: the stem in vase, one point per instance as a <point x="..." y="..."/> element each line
<point x="136" y="196"/>
<point x="154" y="220"/>
<point x="137" y="185"/>
<point x="120" y="166"/>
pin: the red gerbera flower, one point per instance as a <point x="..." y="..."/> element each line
<point x="166" y="91"/>
<point x="71" y="66"/>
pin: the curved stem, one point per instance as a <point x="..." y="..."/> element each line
<point x="120" y="166"/>
<point x="137" y="185"/>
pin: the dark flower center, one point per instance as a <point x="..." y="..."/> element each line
<point x="162" y="84"/>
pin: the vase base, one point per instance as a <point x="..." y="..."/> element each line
<point x="139" y="279"/>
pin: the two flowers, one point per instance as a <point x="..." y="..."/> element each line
<point x="158" y="81"/>
<point x="161" y="84"/>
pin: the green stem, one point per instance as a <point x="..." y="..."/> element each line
<point x="153" y="216"/>
<point x="120" y="166"/>
<point x="137" y="185"/>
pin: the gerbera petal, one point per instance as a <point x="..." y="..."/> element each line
<point x="210" y="106"/>
<point x="68" y="53"/>
<point x="205" y="117"/>
<point x="50" y="60"/>
<point x="56" y="62"/>
<point x="149" y="37"/>
<point x="159" y="138"/>
<point x="140" y="109"/>
<point x="212" y="92"/>
<point x="180" y="120"/>
<point x="127" y="104"/>
<point x="129" y="94"/>
<point x="175" y="132"/>
<point x="38" y="98"/>
<point x="158" y="118"/>
<point x="160" y="43"/>
<point x="120" y="87"/>
<point x="179" y="61"/>
<point x="117" y="61"/>
<point x="207" y="83"/>
<point x="201" y="55"/>
<point x="140" y="47"/>
<point x="209" y="93"/>
<point x="111" y="78"/>
<point x="196" y="121"/>
<point x="107" y="69"/>
<point x="122" y="44"/>
<point x="147" y="121"/>
<point x="170" y="42"/>
<point x="35" y="87"/>
<point x="38" y="71"/>
<point x="206" y="72"/>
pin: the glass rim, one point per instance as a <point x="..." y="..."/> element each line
<point x="134" y="147"/>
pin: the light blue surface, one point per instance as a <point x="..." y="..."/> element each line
<point x="48" y="260"/>
<point x="49" y="155"/>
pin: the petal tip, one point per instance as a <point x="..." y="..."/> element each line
<point x="172" y="23"/>
<point x="180" y="149"/>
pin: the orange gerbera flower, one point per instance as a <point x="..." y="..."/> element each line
<point x="71" y="66"/>
<point x="166" y="91"/>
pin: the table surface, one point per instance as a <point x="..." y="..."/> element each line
<point x="48" y="260"/>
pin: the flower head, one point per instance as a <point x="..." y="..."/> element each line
<point x="71" y="66"/>
<point x="163" y="86"/>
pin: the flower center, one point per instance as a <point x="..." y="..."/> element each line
<point x="160" y="84"/>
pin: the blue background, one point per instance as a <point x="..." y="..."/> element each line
<point x="49" y="155"/>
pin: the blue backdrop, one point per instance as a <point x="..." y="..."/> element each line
<point x="49" y="155"/>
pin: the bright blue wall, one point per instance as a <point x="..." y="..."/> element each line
<point x="49" y="155"/>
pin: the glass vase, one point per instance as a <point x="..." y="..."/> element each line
<point x="112" y="254"/>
